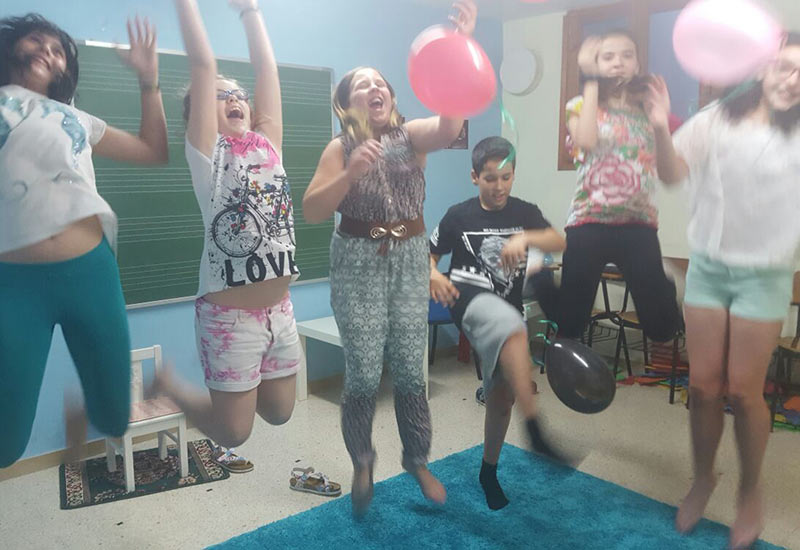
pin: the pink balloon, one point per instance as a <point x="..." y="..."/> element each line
<point x="724" y="42"/>
<point x="450" y="73"/>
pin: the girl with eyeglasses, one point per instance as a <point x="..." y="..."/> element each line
<point x="245" y="327"/>
<point x="57" y="234"/>
<point x="740" y="158"/>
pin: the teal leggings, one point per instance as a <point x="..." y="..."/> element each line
<point x="84" y="296"/>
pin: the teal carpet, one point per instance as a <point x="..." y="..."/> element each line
<point x="551" y="507"/>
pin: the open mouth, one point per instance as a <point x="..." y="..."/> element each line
<point x="236" y="113"/>
<point x="376" y="103"/>
<point x="41" y="61"/>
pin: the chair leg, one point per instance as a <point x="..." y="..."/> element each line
<point x="773" y="409"/>
<point x="162" y="446"/>
<point x="616" y="353"/>
<point x="127" y="461"/>
<point x="626" y="352"/>
<point x="644" y="349"/>
<point x="111" y="457"/>
<point x="591" y="333"/>
<point x="674" y="373"/>
<point x="183" y="447"/>
<point x="432" y="354"/>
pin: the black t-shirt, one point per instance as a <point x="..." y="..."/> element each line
<point x="476" y="238"/>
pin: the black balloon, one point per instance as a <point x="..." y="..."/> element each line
<point x="580" y="378"/>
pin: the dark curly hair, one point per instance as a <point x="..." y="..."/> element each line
<point x="12" y="29"/>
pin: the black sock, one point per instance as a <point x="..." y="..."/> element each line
<point x="539" y="444"/>
<point x="495" y="497"/>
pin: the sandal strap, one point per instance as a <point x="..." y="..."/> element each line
<point x="302" y="473"/>
<point x="230" y="456"/>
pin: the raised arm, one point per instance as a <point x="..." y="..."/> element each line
<point x="434" y="133"/>
<point x="150" y="146"/>
<point x="582" y="127"/>
<point x="671" y="167"/>
<point x="201" y="129"/>
<point x="267" y="115"/>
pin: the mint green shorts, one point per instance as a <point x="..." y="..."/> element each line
<point x="757" y="293"/>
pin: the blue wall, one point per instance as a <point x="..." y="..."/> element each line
<point x="306" y="32"/>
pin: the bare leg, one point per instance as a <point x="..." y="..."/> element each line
<point x="751" y="346"/>
<point x="706" y="340"/>
<point x="498" y="416"/>
<point x="516" y="367"/>
<point x="225" y="417"/>
<point x="276" y="399"/>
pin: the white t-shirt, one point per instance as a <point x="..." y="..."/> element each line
<point x="46" y="171"/>
<point x="246" y="204"/>
<point x="744" y="186"/>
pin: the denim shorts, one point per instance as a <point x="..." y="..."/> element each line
<point x="759" y="293"/>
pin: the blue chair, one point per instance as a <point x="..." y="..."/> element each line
<point x="438" y="314"/>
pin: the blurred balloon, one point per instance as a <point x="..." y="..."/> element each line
<point x="723" y="42"/>
<point x="450" y="73"/>
<point x="580" y="378"/>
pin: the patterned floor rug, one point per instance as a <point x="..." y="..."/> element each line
<point x="89" y="482"/>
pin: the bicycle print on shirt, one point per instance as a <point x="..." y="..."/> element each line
<point x="252" y="227"/>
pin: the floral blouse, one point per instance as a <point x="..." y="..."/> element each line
<point x="617" y="179"/>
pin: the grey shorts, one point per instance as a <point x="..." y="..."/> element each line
<point x="487" y="323"/>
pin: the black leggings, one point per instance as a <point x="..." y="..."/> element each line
<point x="634" y="249"/>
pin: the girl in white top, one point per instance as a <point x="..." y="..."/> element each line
<point x="56" y="232"/>
<point x="740" y="157"/>
<point x="246" y="334"/>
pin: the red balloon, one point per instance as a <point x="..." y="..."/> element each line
<point x="450" y="73"/>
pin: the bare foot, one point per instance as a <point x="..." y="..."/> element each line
<point x="75" y="429"/>
<point x="431" y="487"/>
<point x="694" y="504"/>
<point x="165" y="381"/>
<point x="749" y="520"/>
<point x="362" y="491"/>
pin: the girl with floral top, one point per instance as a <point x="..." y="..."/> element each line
<point x="244" y="323"/>
<point x="613" y="217"/>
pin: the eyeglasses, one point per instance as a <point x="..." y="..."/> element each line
<point x="784" y="70"/>
<point x="241" y="95"/>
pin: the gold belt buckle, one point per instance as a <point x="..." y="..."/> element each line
<point x="399" y="231"/>
<point x="378" y="232"/>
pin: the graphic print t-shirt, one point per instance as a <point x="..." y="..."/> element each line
<point x="244" y="196"/>
<point x="476" y="238"/>
<point x="47" y="179"/>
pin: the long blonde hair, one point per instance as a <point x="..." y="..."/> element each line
<point x="355" y="122"/>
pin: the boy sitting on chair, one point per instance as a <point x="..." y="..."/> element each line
<point x="489" y="236"/>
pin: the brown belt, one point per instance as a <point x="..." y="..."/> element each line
<point x="399" y="230"/>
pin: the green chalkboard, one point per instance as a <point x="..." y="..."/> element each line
<point x="160" y="227"/>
